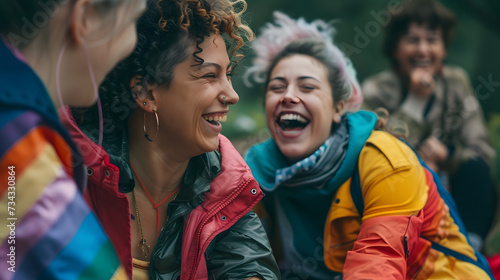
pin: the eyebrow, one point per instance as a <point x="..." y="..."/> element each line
<point x="431" y="32"/>
<point x="299" y="78"/>
<point x="308" y="77"/>
<point x="212" y="64"/>
<point x="278" y="78"/>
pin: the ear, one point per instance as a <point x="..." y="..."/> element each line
<point x="338" y="109"/>
<point x="83" y="20"/>
<point x="144" y="95"/>
<point x="78" y="25"/>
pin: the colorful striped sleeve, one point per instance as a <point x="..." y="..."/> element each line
<point x="49" y="231"/>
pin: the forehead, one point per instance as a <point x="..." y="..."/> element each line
<point x="415" y="28"/>
<point x="211" y="50"/>
<point x="300" y="65"/>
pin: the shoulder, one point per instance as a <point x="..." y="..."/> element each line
<point x="382" y="89"/>
<point x="36" y="150"/>
<point x="382" y="155"/>
<point x="395" y="152"/>
<point x="455" y="73"/>
<point x="26" y="134"/>
<point x="384" y="78"/>
<point x="392" y="179"/>
<point x="30" y="144"/>
<point x="460" y="85"/>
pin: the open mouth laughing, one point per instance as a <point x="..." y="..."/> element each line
<point x="421" y="63"/>
<point x="291" y="121"/>
<point x="214" y="120"/>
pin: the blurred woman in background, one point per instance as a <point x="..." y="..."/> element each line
<point x="437" y="105"/>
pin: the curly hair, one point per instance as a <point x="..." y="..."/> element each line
<point x="167" y="33"/>
<point x="429" y="13"/>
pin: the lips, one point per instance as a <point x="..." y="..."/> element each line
<point x="214" y="120"/>
<point x="423" y="63"/>
<point x="291" y="121"/>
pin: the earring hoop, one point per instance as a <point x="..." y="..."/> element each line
<point x="224" y="100"/>
<point x="157" y="127"/>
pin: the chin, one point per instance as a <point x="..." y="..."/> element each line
<point x="210" y="146"/>
<point x="293" y="155"/>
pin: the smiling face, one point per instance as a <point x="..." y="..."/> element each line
<point x="192" y="108"/>
<point x="420" y="48"/>
<point x="299" y="106"/>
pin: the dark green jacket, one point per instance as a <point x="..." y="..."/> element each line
<point x="211" y="221"/>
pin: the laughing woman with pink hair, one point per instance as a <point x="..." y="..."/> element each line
<point x="343" y="200"/>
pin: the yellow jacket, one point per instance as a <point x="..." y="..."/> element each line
<point x="401" y="205"/>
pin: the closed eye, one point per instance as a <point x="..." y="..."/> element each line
<point x="210" y="75"/>
<point x="308" y="88"/>
<point x="277" y="89"/>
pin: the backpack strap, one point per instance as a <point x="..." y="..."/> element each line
<point x="357" y="198"/>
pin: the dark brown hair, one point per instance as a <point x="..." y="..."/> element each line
<point x="167" y="34"/>
<point x="428" y="13"/>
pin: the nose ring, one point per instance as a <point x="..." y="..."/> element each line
<point x="224" y="100"/>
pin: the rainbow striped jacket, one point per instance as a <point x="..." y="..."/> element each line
<point x="47" y="231"/>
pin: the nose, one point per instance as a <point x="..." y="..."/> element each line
<point x="228" y="94"/>
<point x="290" y="96"/>
<point x="423" y="46"/>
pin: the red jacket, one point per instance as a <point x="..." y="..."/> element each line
<point x="232" y="194"/>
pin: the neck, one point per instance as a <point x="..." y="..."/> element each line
<point x="158" y="168"/>
<point x="44" y="65"/>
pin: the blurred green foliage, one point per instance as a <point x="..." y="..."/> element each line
<point x="475" y="48"/>
<point x="360" y="25"/>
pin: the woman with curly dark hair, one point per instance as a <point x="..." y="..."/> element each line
<point x="172" y="193"/>
<point x="436" y="105"/>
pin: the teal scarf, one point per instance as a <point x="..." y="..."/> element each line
<point x="300" y="212"/>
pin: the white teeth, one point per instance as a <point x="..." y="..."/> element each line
<point x="291" y="117"/>
<point x="422" y="62"/>
<point x="216" y="118"/>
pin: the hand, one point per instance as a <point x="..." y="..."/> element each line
<point x="382" y="117"/>
<point x="433" y="152"/>
<point x="421" y="83"/>
<point x="444" y="223"/>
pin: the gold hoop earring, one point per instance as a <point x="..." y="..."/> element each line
<point x="157" y="127"/>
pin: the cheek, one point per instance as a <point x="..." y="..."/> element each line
<point x="440" y="52"/>
<point x="402" y="51"/>
<point x="270" y="104"/>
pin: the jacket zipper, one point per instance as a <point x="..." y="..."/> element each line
<point x="214" y="210"/>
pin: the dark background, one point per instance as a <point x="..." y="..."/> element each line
<point x="360" y="30"/>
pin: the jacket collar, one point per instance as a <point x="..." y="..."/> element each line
<point x="266" y="158"/>
<point x="20" y="84"/>
<point x="22" y="89"/>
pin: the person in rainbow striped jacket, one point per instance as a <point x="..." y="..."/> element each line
<point x="48" y="50"/>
